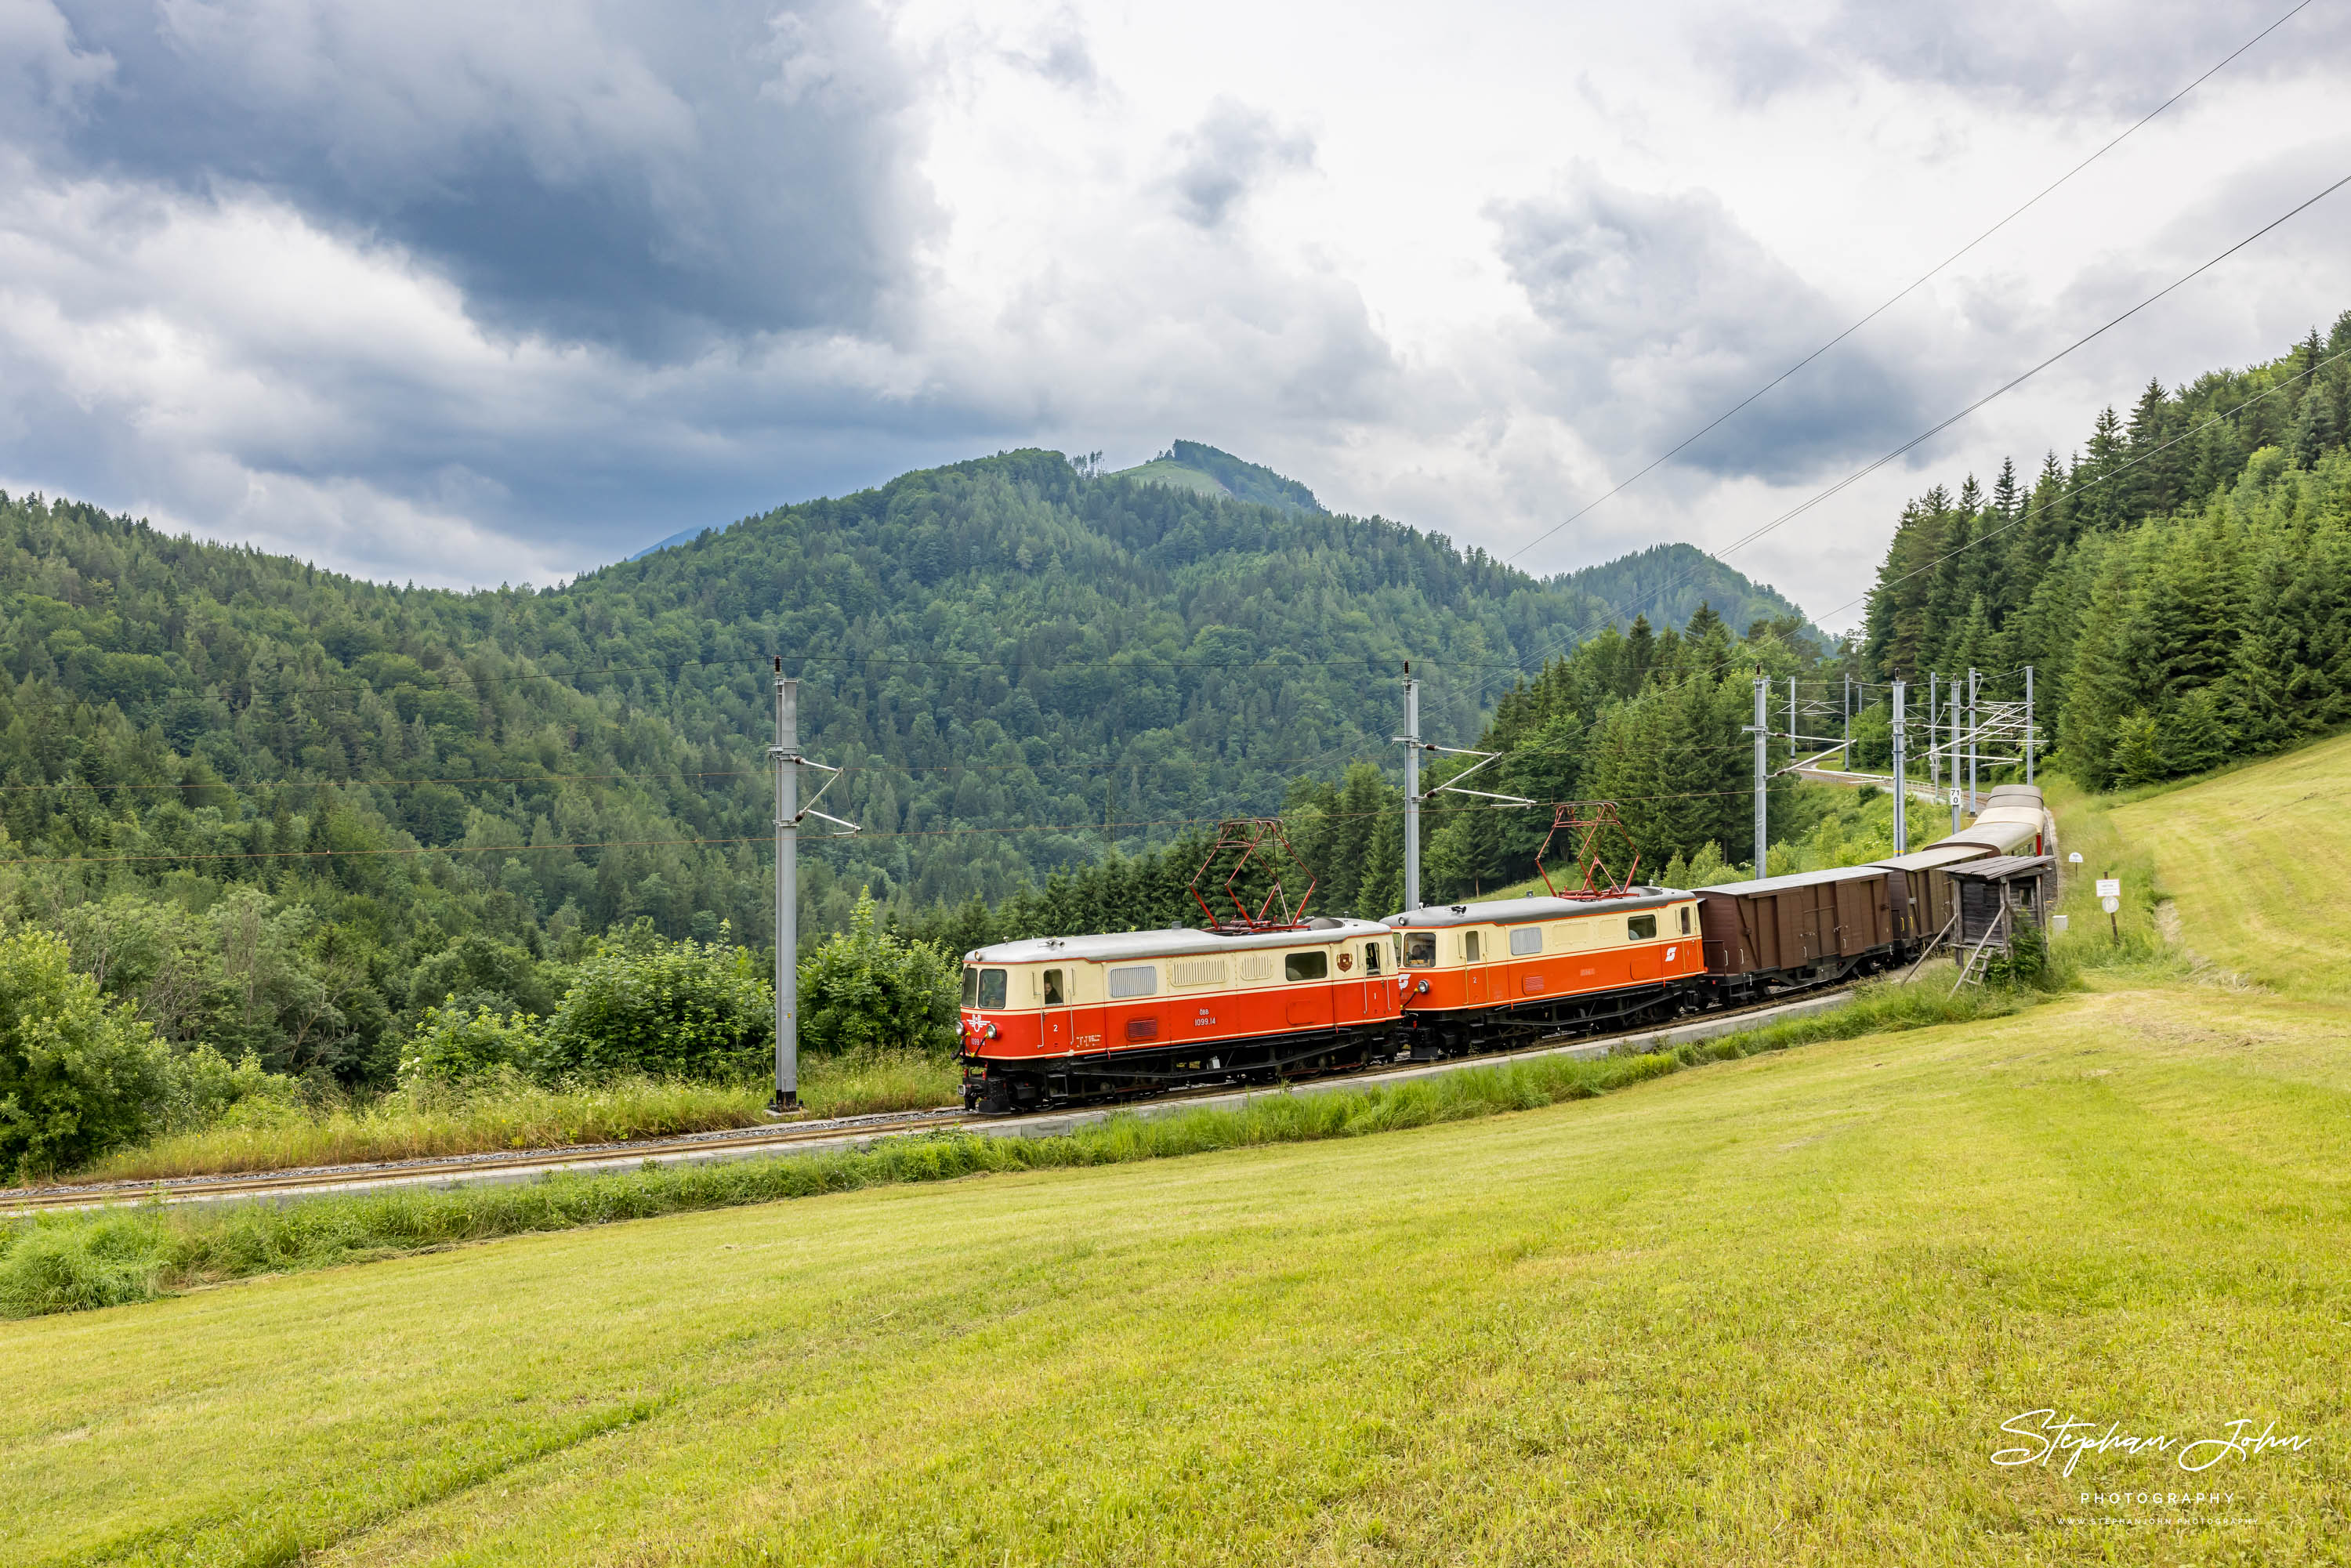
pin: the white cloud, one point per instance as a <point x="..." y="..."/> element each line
<point x="441" y="292"/>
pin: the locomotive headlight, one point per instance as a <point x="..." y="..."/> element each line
<point x="1422" y="988"/>
<point x="990" y="1031"/>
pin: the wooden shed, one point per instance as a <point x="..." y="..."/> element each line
<point x="2022" y="886"/>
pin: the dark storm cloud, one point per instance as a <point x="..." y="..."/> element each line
<point x="2021" y="53"/>
<point x="1232" y="149"/>
<point x="1663" y="312"/>
<point x="642" y="178"/>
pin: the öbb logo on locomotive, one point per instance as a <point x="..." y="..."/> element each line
<point x="1262" y="991"/>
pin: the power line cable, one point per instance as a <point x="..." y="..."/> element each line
<point x="1913" y="285"/>
<point x="2011" y="384"/>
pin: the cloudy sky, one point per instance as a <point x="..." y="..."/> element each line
<point x="465" y="293"/>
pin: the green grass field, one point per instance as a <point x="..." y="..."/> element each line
<point x="1771" y="1310"/>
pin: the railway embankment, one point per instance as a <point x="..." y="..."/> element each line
<point x="85" y="1257"/>
<point x="850" y="1134"/>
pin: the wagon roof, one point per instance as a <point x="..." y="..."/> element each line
<point x="1797" y="879"/>
<point x="1933" y="855"/>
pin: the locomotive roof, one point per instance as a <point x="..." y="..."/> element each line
<point x="1171" y="944"/>
<point x="1519" y="911"/>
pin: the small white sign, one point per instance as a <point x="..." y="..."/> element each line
<point x="2110" y="904"/>
<point x="2075" y="857"/>
<point x="1955" y="798"/>
<point x="2057" y="924"/>
<point x="2110" y="887"/>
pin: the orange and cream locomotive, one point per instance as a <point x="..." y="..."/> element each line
<point x="1074" y="1017"/>
<point x="1484" y="975"/>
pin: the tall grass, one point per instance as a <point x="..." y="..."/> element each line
<point x="505" y="1110"/>
<point x="1879" y="1007"/>
<point x="68" y="1262"/>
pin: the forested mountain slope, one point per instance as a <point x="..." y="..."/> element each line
<point x="2181" y="585"/>
<point x="1667" y="583"/>
<point x="1003" y="653"/>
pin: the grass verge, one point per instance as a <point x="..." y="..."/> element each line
<point x="1882" y="1007"/>
<point x="1773" y="1311"/>
<point x="428" y="1120"/>
<point x="75" y="1262"/>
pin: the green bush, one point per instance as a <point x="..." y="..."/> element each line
<point x="204" y="1088"/>
<point x="77" y="1075"/>
<point x="452" y="1045"/>
<point x="670" y="1010"/>
<point x="868" y="990"/>
<point x="2026" y="961"/>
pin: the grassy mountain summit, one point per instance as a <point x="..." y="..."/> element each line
<point x="1203" y="470"/>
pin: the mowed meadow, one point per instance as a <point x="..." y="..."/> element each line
<point x="1769" y="1310"/>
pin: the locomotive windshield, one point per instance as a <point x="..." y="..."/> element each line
<point x="1419" y="949"/>
<point x="970" y="987"/>
<point x="992" y="987"/>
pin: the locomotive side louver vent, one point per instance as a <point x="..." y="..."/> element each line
<point x="1199" y="972"/>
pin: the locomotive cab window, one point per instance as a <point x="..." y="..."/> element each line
<point x="1469" y="946"/>
<point x="1053" y="988"/>
<point x="992" y="987"/>
<point x="1372" y="957"/>
<point x="1142" y="980"/>
<point x="971" y="987"/>
<point x="1526" y="939"/>
<point x="1419" y="949"/>
<point x="1305" y="965"/>
<point x="1640" y="928"/>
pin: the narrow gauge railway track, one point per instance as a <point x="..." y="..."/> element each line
<point x="837" y="1132"/>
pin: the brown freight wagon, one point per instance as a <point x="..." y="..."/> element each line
<point x="1803" y="930"/>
